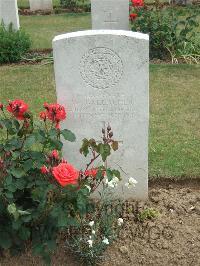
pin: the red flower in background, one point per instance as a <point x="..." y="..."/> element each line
<point x="65" y="174"/>
<point x="1" y="106"/>
<point x="91" y="172"/>
<point x="18" y="108"/>
<point x="55" y="113"/>
<point x="138" y="3"/>
<point x="133" y="16"/>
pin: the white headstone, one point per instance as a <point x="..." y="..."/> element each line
<point x="9" y="13"/>
<point x="110" y="14"/>
<point x="40" y="5"/>
<point x="102" y="77"/>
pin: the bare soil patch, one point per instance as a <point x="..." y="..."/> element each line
<point x="173" y="238"/>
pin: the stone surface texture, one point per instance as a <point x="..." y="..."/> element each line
<point x="9" y="13"/>
<point x="40" y="5"/>
<point x="102" y="77"/>
<point x="110" y="14"/>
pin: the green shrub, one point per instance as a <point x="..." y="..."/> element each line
<point x="68" y="3"/>
<point x="83" y="4"/>
<point x="13" y="44"/>
<point x="167" y="31"/>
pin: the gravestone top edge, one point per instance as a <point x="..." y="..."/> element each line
<point x="125" y="33"/>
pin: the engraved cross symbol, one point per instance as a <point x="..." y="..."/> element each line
<point x="109" y="18"/>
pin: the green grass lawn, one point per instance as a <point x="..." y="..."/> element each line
<point x="42" y="29"/>
<point x="174" y="148"/>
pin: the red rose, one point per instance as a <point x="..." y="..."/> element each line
<point x="44" y="169"/>
<point x="55" y="112"/>
<point x="65" y="174"/>
<point x="18" y="108"/>
<point x="133" y="16"/>
<point x="55" y="154"/>
<point x="138" y="3"/>
<point x="1" y="106"/>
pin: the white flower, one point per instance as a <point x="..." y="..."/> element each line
<point x="88" y="187"/>
<point x="93" y="232"/>
<point x="131" y="182"/>
<point x="120" y="221"/>
<point x="91" y="223"/>
<point x="90" y="243"/>
<point x="105" y="241"/>
<point x="113" y="183"/>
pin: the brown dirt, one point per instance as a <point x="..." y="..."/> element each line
<point x="173" y="238"/>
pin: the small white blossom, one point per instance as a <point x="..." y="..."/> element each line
<point x="131" y="182"/>
<point x="120" y="221"/>
<point x="90" y="243"/>
<point x="93" y="232"/>
<point x="91" y="223"/>
<point x="113" y="183"/>
<point x="88" y="187"/>
<point x="105" y="241"/>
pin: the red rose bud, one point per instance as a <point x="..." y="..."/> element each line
<point x="43" y="116"/>
<point x="1" y="106"/>
<point x="55" y="154"/>
<point x="44" y="170"/>
<point x="133" y="16"/>
<point x="65" y="174"/>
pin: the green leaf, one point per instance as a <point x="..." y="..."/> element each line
<point x="115" y="145"/>
<point x="12" y="208"/>
<point x="30" y="141"/>
<point x="116" y="173"/>
<point x="8" y="180"/>
<point x="9" y="195"/>
<point x="62" y="220"/>
<point x="17" y="172"/>
<point x="24" y="233"/>
<point x="109" y="174"/>
<point x="85" y="147"/>
<point x="55" y="144"/>
<point x="27" y="165"/>
<point x="5" y="240"/>
<point x="20" y="183"/>
<point x="104" y="150"/>
<point x="68" y="135"/>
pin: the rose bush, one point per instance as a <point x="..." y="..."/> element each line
<point x="170" y="35"/>
<point x="42" y="193"/>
